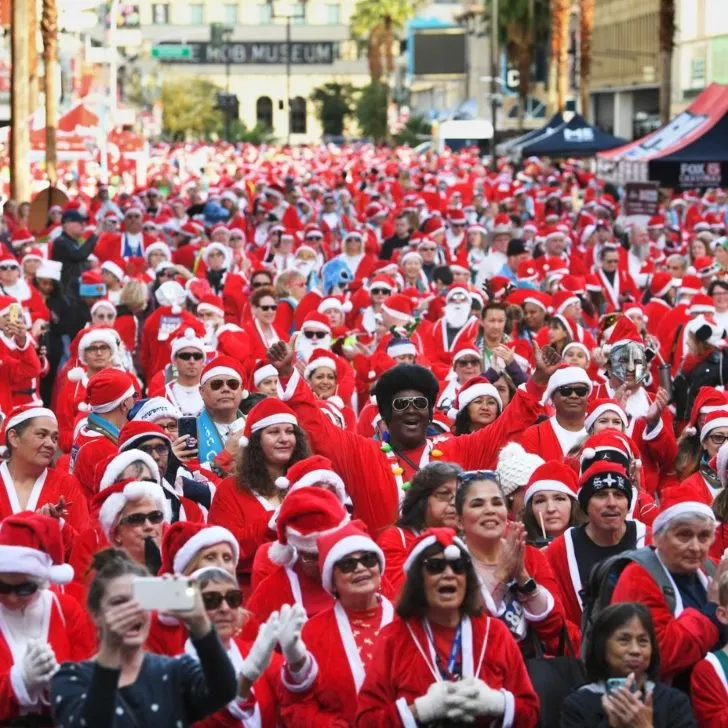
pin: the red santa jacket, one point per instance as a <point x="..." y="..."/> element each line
<point x="156" y="333"/>
<point x="395" y="543"/>
<point x="541" y="440"/>
<point x="19" y="366"/>
<point x="376" y="497"/>
<point x="437" y="349"/>
<point x="623" y="286"/>
<point x="399" y="674"/>
<point x="709" y="693"/>
<point x="111" y="247"/>
<point x="87" y="459"/>
<point x="683" y="636"/>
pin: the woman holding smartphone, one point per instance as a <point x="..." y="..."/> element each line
<point x="123" y="685"/>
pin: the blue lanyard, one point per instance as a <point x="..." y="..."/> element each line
<point x="451" y="672"/>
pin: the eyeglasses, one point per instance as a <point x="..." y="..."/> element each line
<point x="437" y="565"/>
<point x="471" y="475"/>
<point x="467" y="362"/>
<point x="97" y="348"/>
<point x="444" y="496"/>
<point x="9" y="267"/>
<point x="271" y="307"/>
<point x="427" y="250"/>
<point x="379" y="292"/>
<point x="315" y="334"/>
<point x="259" y="284"/>
<point x="138" y="519"/>
<point x="348" y="564"/>
<point x="217" y="384"/>
<point x="214" y="600"/>
<point x="24" y="589"/>
<point x="133" y="216"/>
<point x="717" y="439"/>
<point x="188" y="355"/>
<point x="580" y="390"/>
<point x="160" y="449"/>
<point x="400" y="404"/>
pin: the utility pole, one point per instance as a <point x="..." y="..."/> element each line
<point x="49" y="30"/>
<point x="493" y="77"/>
<point x="20" y="108"/>
<point x="288" y="78"/>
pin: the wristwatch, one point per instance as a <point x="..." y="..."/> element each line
<point x="527" y="588"/>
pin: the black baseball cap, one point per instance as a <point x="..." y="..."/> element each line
<point x="72" y="216"/>
<point x="516" y="247"/>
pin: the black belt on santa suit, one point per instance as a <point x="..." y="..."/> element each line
<point x="29" y="392"/>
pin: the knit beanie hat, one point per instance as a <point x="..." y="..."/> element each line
<point x="600" y="476"/>
<point x="515" y="467"/>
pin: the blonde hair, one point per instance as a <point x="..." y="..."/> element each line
<point x="285" y="280"/>
<point x="134" y="295"/>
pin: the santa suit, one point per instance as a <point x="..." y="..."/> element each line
<point x="671" y="335"/>
<point x="699" y="482"/>
<point x="234" y="298"/>
<point x="126" y="247"/>
<point x="87" y="460"/>
<point x="623" y="286"/>
<point x="246" y="515"/>
<point x="438" y="351"/>
<point x="683" y="636"/>
<point x="709" y="692"/>
<point x="376" y="498"/>
<point x="564" y="563"/>
<point x="341" y="644"/>
<point x="231" y="340"/>
<point x="69" y="397"/>
<point x="395" y="543"/>
<point x="258" y="342"/>
<point x="57" y="619"/>
<point x="18" y="367"/>
<point x="655" y="310"/>
<point x="403" y="668"/>
<point x="126" y="324"/>
<point x="30" y="299"/>
<point x="542" y="440"/>
<point x="156" y="333"/>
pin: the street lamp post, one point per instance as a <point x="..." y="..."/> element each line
<point x="493" y="76"/>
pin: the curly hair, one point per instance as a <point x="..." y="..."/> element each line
<point x="260" y="293"/>
<point x="252" y="472"/>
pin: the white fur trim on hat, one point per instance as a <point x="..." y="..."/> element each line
<point x="577" y="345"/>
<point x="708" y="427"/>
<point x="721" y="465"/>
<point x="122" y="461"/>
<point x="323" y="361"/>
<point x="33" y="562"/>
<point x="343" y="548"/>
<point x="679" y="510"/>
<point x="157" y="408"/>
<point x="426" y="543"/>
<point x="137" y="490"/>
<point x="467" y="352"/>
<point x="282" y="418"/>
<point x="189" y="340"/>
<point x="482" y="389"/>
<point x="399" y="315"/>
<point x="220" y="372"/>
<point x="401" y="348"/>
<point x="110" y="267"/>
<point x="566" y="303"/>
<point x="315" y="477"/>
<point x="263" y="373"/>
<point x="102" y="409"/>
<point x="29" y="414"/>
<point x="316" y="326"/>
<point x="599" y="411"/>
<point x="282" y="554"/>
<point x="98" y="336"/>
<point x="309" y="542"/>
<point x="567" y="375"/>
<point x="209" y="308"/>
<point x="334" y="303"/>
<point x="203" y="539"/>
<point x="541" y="486"/>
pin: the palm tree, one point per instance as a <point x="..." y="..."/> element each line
<point x="49" y="31"/>
<point x="559" y="67"/>
<point x="586" y="22"/>
<point x="667" y="43"/>
<point x="19" y="134"/>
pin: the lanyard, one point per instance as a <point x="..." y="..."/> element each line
<point x="453" y="671"/>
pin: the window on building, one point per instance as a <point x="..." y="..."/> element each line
<point x="333" y="14"/>
<point x="230" y="14"/>
<point x="160" y="14"/>
<point x="264" y="112"/>
<point x="197" y="14"/>
<point x="298" y="115"/>
<point x="298" y="11"/>
<point x="265" y="14"/>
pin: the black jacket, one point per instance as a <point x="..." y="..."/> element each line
<point x="67" y="251"/>
<point x="712" y="372"/>
<point x="583" y="709"/>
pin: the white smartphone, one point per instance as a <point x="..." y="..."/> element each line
<point x="163" y="595"/>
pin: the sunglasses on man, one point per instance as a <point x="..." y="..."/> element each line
<point x="400" y="404"/>
<point x="24" y="589"/>
<point x="218" y="384"/>
<point x="191" y="355"/>
<point x="138" y="519"/>
<point x="580" y="390"/>
<point x="315" y="334"/>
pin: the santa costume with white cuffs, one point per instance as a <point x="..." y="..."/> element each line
<point x="340" y="643"/>
<point x="50" y="485"/>
<point x="306" y="515"/>
<point x="698" y="480"/>
<point x="313" y="471"/>
<point x="466" y="349"/>
<point x="408" y="653"/>
<point x="687" y="633"/>
<point x="570" y="564"/>
<point x="548" y="439"/>
<point x="31" y="544"/>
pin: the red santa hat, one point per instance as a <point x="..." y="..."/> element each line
<point x="623" y="332"/>
<point x="575" y="345"/>
<point x="400" y="306"/>
<point x="313" y="470"/>
<point x="20" y="414"/>
<point x="106" y="390"/>
<point x="135" y="432"/>
<point x="320" y="358"/>
<point x="565" y="375"/>
<point x="656" y="222"/>
<point x="464" y="348"/>
<point x="22" y="236"/>
<point x="602" y="475"/>
<point x="103" y="303"/>
<point x="221" y="248"/>
<point x="183" y="540"/>
<point x="562" y="300"/>
<point x="335" y="546"/>
<point x="610" y="445"/>
<point x="595" y="408"/>
<point x="705" y="265"/>
<point x="316" y="321"/>
<point x="32" y="544"/>
<point x="171" y="294"/>
<point x="112" y="500"/>
<point x="433" y="225"/>
<point x="112" y="467"/>
<point x="457" y="288"/>
<point x="261" y="371"/>
<point x="690" y="284"/>
<point x="186" y="339"/>
<point x="381" y="281"/>
<point x="101" y="335"/>
<point x="158" y="247"/>
<point x="222" y="366"/>
<point x="502" y="224"/>
<point x="472" y="389"/>
<point x="553" y="475"/>
<point x="305" y="516"/>
<point x="115" y="269"/>
<point x="452" y="547"/>
<point x="336" y="303"/>
<point x="701" y="303"/>
<point x="32" y="254"/>
<point x="661" y="283"/>
<point x="210" y="303"/>
<point x="537" y="298"/>
<point x="708" y="399"/>
<point x="713" y="421"/>
<point x="683" y="501"/>
<point x="266" y="413"/>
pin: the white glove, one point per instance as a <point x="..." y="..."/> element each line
<point x="480" y="699"/>
<point x="292" y="620"/>
<point x="261" y="652"/>
<point x="39" y="665"/>
<point x="440" y="698"/>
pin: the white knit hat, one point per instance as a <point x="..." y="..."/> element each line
<point x="515" y="467"/>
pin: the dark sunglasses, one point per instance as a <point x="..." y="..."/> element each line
<point x="9" y="267"/>
<point x="580" y="390"/>
<point x="97" y="348"/>
<point x="138" y="519"/>
<point x="379" y="292"/>
<point x="188" y="355"/>
<point x="437" y="565"/>
<point x="217" y="384"/>
<point x="259" y="284"/>
<point x="272" y="307"/>
<point x="400" y="404"/>
<point x="468" y="362"/>
<point x="315" y="334"/>
<point x="349" y="563"/>
<point x="470" y="475"/>
<point x="213" y="600"/>
<point x="24" y="589"/>
<point x="160" y="449"/>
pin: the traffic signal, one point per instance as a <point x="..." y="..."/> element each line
<point x="217" y="35"/>
<point x="229" y="105"/>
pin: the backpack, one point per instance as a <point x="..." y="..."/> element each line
<point x="597" y="594"/>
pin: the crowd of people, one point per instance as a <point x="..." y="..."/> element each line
<point x="434" y="444"/>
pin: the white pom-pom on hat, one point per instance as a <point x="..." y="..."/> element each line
<point x="84" y="407"/>
<point x="691" y="431"/>
<point x="76" y="374"/>
<point x="372" y="374"/>
<point x="176" y="309"/>
<point x="588" y="453"/>
<point x="283" y="555"/>
<point x="243" y="441"/>
<point x="282" y="482"/>
<point x="61" y="573"/>
<point x="190" y="333"/>
<point x="452" y="552"/>
<point x="346" y="307"/>
<point x="637" y="463"/>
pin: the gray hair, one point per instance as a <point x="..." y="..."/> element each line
<point x="213" y="575"/>
<point x="686" y="520"/>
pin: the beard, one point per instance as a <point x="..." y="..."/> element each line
<point x="456" y="314"/>
<point x="305" y="347"/>
<point x="304" y="266"/>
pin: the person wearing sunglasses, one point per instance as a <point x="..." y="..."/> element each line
<point x="467" y="363"/>
<point x="445" y="661"/>
<point x="42" y="626"/>
<point x="380" y="286"/>
<point x="355" y="255"/>
<point x="323" y="680"/>
<point x="315" y="334"/>
<point x="261" y="329"/>
<point x="182" y="385"/>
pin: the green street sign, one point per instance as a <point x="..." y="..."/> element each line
<point x="172" y="52"/>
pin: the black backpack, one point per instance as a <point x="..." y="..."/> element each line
<point x="597" y="594"/>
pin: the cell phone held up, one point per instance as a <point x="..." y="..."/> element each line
<point x="163" y="595"/>
<point x="188" y="426"/>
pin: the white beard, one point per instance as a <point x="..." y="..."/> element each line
<point x="305" y="266"/>
<point x="456" y="314"/>
<point x="305" y="347"/>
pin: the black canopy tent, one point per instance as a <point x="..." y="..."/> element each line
<point x="514" y="144"/>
